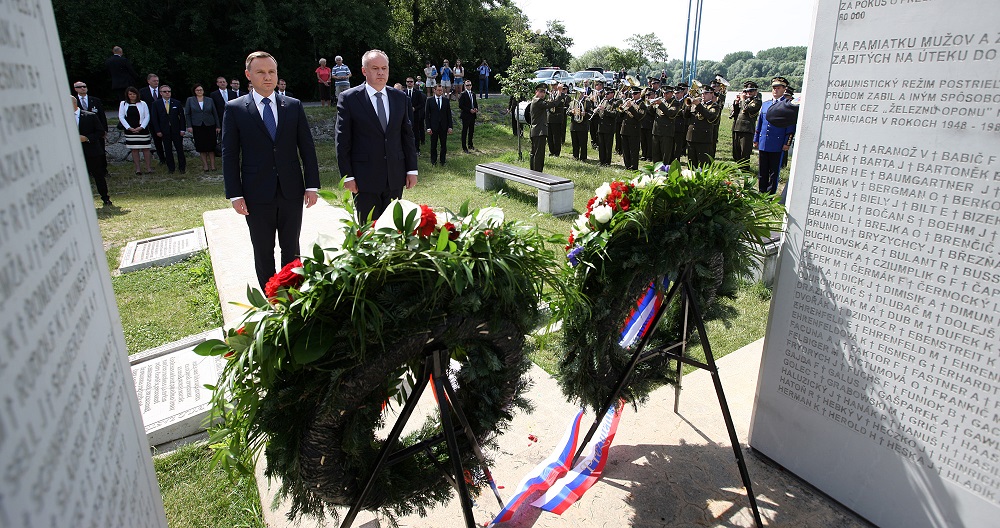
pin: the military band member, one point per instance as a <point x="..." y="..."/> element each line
<point x="539" y="110"/>
<point x="606" y="115"/>
<point x="744" y="115"/>
<point x="595" y="99"/>
<point x="680" y="123"/>
<point x="646" y="125"/>
<point x="702" y="113"/>
<point x="557" y="121"/>
<point x="580" y="113"/>
<point x="632" y="113"/>
<point x="665" y="109"/>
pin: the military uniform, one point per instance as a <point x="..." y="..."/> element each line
<point x="557" y="125"/>
<point x="631" y="131"/>
<point x="744" y="115"/>
<point x="664" y="113"/>
<point x="539" y="129"/>
<point x="646" y="125"/>
<point x="680" y="125"/>
<point x="579" y="128"/>
<point x="606" y="114"/>
<point x="701" y="136"/>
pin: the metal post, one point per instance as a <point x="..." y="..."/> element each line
<point x="687" y="33"/>
<point x="449" y="433"/>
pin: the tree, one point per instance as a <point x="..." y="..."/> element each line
<point x="526" y="58"/>
<point x="730" y="58"/>
<point x="597" y="57"/>
<point x="648" y="46"/>
<point x="629" y="59"/>
<point x="554" y="45"/>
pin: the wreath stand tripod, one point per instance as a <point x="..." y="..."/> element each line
<point x="433" y="371"/>
<point x="691" y="314"/>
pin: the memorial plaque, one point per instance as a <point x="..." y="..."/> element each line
<point x="170" y="385"/>
<point x="162" y="250"/>
<point x="879" y="383"/>
<point x="72" y="447"/>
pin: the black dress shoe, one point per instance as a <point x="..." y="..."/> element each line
<point x="107" y="203"/>
<point x="183" y="171"/>
<point x="465" y="151"/>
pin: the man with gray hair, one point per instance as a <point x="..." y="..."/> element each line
<point x="341" y="74"/>
<point x="376" y="153"/>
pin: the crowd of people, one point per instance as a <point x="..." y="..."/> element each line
<point x="658" y="122"/>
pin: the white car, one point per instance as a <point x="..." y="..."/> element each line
<point x="553" y="76"/>
<point x="587" y="75"/>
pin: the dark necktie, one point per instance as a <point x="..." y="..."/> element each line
<point x="269" y="124"/>
<point x="382" y="118"/>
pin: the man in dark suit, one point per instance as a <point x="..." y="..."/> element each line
<point x="122" y="73"/>
<point x="469" y="110"/>
<point x="282" y="85"/>
<point x="269" y="165"/>
<point x="91" y="134"/>
<point x="439" y="123"/>
<point x="91" y="104"/>
<point x="167" y="123"/>
<point x="375" y="148"/>
<point x="220" y="97"/>
<point x="234" y="89"/>
<point x="539" y="126"/>
<point x="151" y="94"/>
<point x="417" y="101"/>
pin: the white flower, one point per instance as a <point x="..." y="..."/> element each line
<point x="603" y="191"/>
<point x="387" y="220"/>
<point x="687" y="174"/>
<point x="602" y="213"/>
<point x="581" y="226"/>
<point x="659" y="179"/>
<point x="641" y="181"/>
<point x="443" y="218"/>
<point x="485" y="218"/>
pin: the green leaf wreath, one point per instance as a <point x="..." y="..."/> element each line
<point x="321" y="353"/>
<point x="711" y="221"/>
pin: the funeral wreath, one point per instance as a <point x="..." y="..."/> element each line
<point x="322" y="355"/>
<point x="711" y="222"/>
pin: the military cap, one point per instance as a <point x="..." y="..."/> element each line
<point x="681" y="86"/>
<point x="652" y="79"/>
<point x="749" y="85"/>
<point x="779" y="81"/>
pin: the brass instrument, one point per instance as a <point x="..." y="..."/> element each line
<point x="694" y="93"/>
<point x="577" y="109"/>
<point x="725" y="86"/>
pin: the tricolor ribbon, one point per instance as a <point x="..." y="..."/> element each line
<point x="546" y="473"/>
<point x="640" y="318"/>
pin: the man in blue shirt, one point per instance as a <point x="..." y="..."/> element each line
<point x="341" y="75"/>
<point x="484" y="80"/>
<point x="771" y="141"/>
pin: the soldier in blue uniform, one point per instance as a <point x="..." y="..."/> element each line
<point x="771" y="141"/>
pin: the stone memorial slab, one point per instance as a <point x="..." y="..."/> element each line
<point x="880" y="382"/>
<point x="162" y="250"/>
<point x="170" y="385"/>
<point x="72" y="447"/>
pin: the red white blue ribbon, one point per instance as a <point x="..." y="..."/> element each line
<point x="546" y="473"/>
<point x="640" y="318"/>
<point x="569" y="488"/>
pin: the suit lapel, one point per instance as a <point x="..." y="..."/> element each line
<point x="255" y="116"/>
<point x="282" y="111"/>
<point x="366" y="103"/>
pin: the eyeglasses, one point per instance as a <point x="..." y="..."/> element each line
<point x="164" y="91"/>
<point x="409" y="82"/>
<point x="80" y="86"/>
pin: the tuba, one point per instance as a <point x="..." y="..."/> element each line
<point x="694" y="92"/>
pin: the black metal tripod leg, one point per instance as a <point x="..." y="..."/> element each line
<point x="397" y="430"/>
<point x="623" y="380"/>
<point x="476" y="448"/>
<point x="449" y="432"/>
<point x="733" y="439"/>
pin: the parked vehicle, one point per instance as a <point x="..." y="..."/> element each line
<point x="553" y="76"/>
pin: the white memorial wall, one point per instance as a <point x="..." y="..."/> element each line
<point x="879" y="383"/>
<point x="72" y="447"/>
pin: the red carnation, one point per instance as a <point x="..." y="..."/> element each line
<point x="286" y="278"/>
<point x="241" y="331"/>
<point x="428" y="221"/>
<point x="488" y="232"/>
<point x="571" y="240"/>
<point x="452" y="232"/>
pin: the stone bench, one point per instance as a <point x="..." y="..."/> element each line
<point x="555" y="195"/>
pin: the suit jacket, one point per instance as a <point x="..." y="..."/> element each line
<point x="418" y="101"/>
<point x="170" y="125"/>
<point x="123" y="74"/>
<point x="377" y="160"/>
<point x="94" y="105"/>
<point x="288" y="93"/>
<point x="91" y="127"/>
<point x="198" y="116"/>
<point x="539" y="114"/>
<point x="220" y="105"/>
<point x="769" y="137"/>
<point x="145" y="95"/>
<point x="664" y="114"/>
<point x="253" y="165"/>
<point x="438" y="120"/>
<point x="466" y="102"/>
<point x="233" y="94"/>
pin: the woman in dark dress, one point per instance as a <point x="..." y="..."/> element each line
<point x="133" y="114"/>
<point x="199" y="112"/>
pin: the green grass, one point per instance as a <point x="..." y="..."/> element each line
<point x="197" y="496"/>
<point x="163" y="304"/>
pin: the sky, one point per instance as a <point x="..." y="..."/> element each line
<point x="726" y="26"/>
